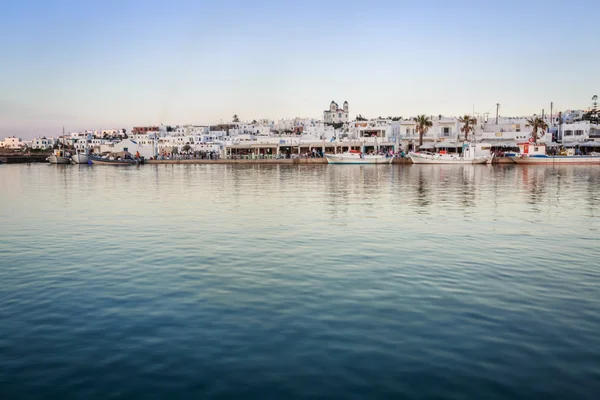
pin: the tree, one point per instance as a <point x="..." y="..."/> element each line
<point x="396" y="118"/>
<point x="254" y="122"/>
<point x="537" y="124"/>
<point x="423" y="125"/>
<point x="468" y="125"/>
<point x="359" y="117"/>
<point x="235" y="118"/>
<point x="186" y="148"/>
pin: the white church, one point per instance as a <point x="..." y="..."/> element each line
<point x="336" y="115"/>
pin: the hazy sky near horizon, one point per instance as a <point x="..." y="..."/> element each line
<point x="114" y="64"/>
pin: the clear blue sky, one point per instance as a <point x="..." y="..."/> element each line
<point x="104" y="64"/>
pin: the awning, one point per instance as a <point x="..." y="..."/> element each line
<point x="582" y="144"/>
<point x="427" y="146"/>
<point x="504" y="144"/>
<point x="448" y="145"/>
<point x="238" y="146"/>
<point x="265" y="145"/>
<point x="590" y="144"/>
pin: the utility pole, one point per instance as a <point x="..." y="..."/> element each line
<point x="560" y="136"/>
<point x="497" y="108"/>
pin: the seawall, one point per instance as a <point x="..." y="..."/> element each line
<point x="24" y="159"/>
<point x="283" y="161"/>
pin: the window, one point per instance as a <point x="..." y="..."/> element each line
<point x="578" y="132"/>
<point x="569" y="133"/>
<point x="407" y="131"/>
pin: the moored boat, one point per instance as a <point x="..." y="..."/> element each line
<point x="59" y="157"/>
<point x="120" y="158"/>
<point x="532" y="153"/>
<point x="478" y="153"/>
<point x="551" y="160"/>
<point x="357" y="157"/>
<point x="80" y="157"/>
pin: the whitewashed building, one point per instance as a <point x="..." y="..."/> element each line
<point x="578" y="132"/>
<point x="42" y="143"/>
<point x="380" y="128"/>
<point x="12" y="142"/>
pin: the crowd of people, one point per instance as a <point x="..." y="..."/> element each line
<point x="192" y="155"/>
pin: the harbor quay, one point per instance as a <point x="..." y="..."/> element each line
<point x="26" y="159"/>
<point x="295" y="161"/>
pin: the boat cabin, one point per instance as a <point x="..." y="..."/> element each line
<point x="61" y="153"/>
<point x="465" y="149"/>
<point x="532" y="149"/>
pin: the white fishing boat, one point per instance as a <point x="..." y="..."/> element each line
<point x="552" y="160"/>
<point x="59" y="157"/>
<point x="357" y="157"/>
<point x="472" y="153"/>
<point x="118" y="158"/>
<point x="531" y="153"/>
<point x="80" y="156"/>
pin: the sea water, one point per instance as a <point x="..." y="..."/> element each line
<point x="253" y="281"/>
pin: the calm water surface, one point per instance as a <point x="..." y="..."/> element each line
<point x="299" y="281"/>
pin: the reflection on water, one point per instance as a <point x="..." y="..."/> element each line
<point x="299" y="281"/>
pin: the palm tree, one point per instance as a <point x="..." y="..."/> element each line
<point x="537" y="124"/>
<point x="423" y="125"/>
<point x="468" y="125"/>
